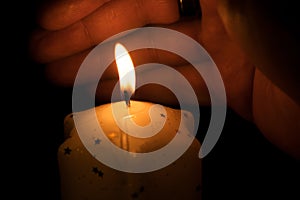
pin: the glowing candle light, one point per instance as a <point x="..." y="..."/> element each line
<point x="126" y="72"/>
<point x="139" y="128"/>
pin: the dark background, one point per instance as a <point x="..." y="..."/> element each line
<point x="243" y="163"/>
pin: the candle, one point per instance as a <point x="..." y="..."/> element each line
<point x="109" y="164"/>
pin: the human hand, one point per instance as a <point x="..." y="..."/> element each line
<point x="72" y="28"/>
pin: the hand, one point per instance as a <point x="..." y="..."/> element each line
<point x="77" y="27"/>
<point x="70" y="29"/>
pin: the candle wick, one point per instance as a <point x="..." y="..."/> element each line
<point x="127" y="98"/>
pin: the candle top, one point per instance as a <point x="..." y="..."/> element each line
<point x="171" y="129"/>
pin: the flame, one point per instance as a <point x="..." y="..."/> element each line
<point x="126" y="71"/>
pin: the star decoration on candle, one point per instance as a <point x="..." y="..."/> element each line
<point x="95" y="170"/>
<point x="136" y="194"/>
<point x="98" y="172"/>
<point x="142" y="189"/>
<point x="97" y="141"/>
<point x="67" y="151"/>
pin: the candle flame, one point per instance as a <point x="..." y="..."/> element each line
<point x="126" y="72"/>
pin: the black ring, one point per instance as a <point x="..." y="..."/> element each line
<point x="189" y="7"/>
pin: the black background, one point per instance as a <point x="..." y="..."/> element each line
<point x="243" y="164"/>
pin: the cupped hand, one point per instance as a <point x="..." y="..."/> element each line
<point x="70" y="29"/>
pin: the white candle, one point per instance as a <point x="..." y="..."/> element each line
<point x="85" y="177"/>
<point x="136" y="129"/>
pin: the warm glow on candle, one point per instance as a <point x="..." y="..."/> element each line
<point x="126" y="71"/>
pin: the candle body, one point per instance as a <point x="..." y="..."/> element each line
<point x="85" y="177"/>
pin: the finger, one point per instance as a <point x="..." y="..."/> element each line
<point x="208" y="8"/>
<point x="108" y="20"/>
<point x="63" y="71"/>
<point x="211" y="20"/>
<point x="54" y="15"/>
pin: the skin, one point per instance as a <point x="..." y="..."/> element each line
<point x="261" y="85"/>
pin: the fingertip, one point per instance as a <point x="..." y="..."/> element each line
<point x="48" y="15"/>
<point x="63" y="72"/>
